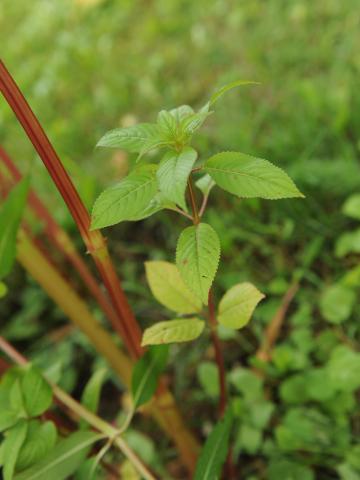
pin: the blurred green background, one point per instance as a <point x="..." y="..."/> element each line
<point x="87" y="66"/>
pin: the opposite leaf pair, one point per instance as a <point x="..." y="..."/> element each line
<point x="167" y="286"/>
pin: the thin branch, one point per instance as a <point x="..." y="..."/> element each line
<point x="273" y="330"/>
<point x="204" y="204"/>
<point x="182" y="212"/>
<point x="194" y="208"/>
<point x="96" y="422"/>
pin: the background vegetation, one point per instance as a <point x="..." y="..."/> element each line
<point x="87" y="66"/>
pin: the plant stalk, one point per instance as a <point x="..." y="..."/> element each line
<point x="96" y="422"/>
<point x="126" y="324"/>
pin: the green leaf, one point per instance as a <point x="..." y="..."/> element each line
<point x="40" y="439"/>
<point x="131" y="139"/>
<point x="337" y="302"/>
<point x="11" y="448"/>
<point x="238" y="304"/>
<point x="173" y="331"/>
<point x="91" y="395"/>
<point x="173" y="174"/>
<point x="63" y="460"/>
<point x="343" y="368"/>
<point x="193" y="122"/>
<point x="351" y="207"/>
<point x="3" y="290"/>
<point x="205" y="184"/>
<point x="250" y="177"/>
<point x="229" y="86"/>
<point x="167" y="124"/>
<point x="10" y="215"/>
<point x="348" y="242"/>
<point x="127" y="200"/>
<point x="169" y="289"/>
<point x="197" y="258"/>
<point x="214" y="452"/>
<point x="37" y="393"/>
<point x="208" y="376"/>
<point x="181" y="112"/>
<point x="146" y="373"/>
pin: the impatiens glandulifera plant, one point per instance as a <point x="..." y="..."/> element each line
<point x="186" y="286"/>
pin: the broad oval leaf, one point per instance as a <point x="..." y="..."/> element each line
<point x="229" y="86"/>
<point x="337" y="302"/>
<point x="214" y="452"/>
<point x="197" y="258"/>
<point x="10" y="216"/>
<point x="146" y="373"/>
<point x="173" y="174"/>
<point x="127" y="200"/>
<point x="173" y="331"/>
<point x="40" y="439"/>
<point x="64" y="458"/>
<point x="169" y="289"/>
<point x="131" y="139"/>
<point x="250" y="177"/>
<point x="238" y="304"/>
<point x="36" y="392"/>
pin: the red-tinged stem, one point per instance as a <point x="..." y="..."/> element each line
<point x="218" y="355"/>
<point x="219" y="358"/>
<point x="126" y="324"/>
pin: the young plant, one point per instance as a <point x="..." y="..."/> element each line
<point x="186" y="286"/>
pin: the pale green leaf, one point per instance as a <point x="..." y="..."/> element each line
<point x="193" y="122"/>
<point x="205" y="184"/>
<point x="167" y="124"/>
<point x="173" y="174"/>
<point x="10" y="215"/>
<point x="11" y="448"/>
<point x="351" y="207"/>
<point x="91" y="395"/>
<point x="168" y="287"/>
<point x="213" y="454"/>
<point x="3" y="290"/>
<point x="131" y="139"/>
<point x="229" y="86"/>
<point x="40" y="439"/>
<point x="250" y="177"/>
<point x="173" y="331"/>
<point x="197" y="258"/>
<point x="36" y="392"/>
<point x="181" y="112"/>
<point x="337" y="302"/>
<point x="238" y="304"/>
<point x="146" y="373"/>
<point x="348" y="242"/>
<point x="63" y="460"/>
<point x="127" y="200"/>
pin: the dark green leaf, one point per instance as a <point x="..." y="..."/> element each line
<point x="214" y="452"/>
<point x="40" y="439"/>
<point x="146" y="373"/>
<point x="37" y="393"/>
<point x="173" y="174"/>
<point x="63" y="460"/>
<point x="10" y="215"/>
<point x="250" y="177"/>
<point x="14" y="439"/>
<point x="128" y="200"/>
<point x="91" y="394"/>
<point x="131" y="139"/>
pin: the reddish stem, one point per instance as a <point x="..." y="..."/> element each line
<point x="126" y="324"/>
<point x="218" y="355"/>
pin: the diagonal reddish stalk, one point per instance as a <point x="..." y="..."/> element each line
<point x="126" y="324"/>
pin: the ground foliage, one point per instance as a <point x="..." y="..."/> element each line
<point x="87" y="66"/>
